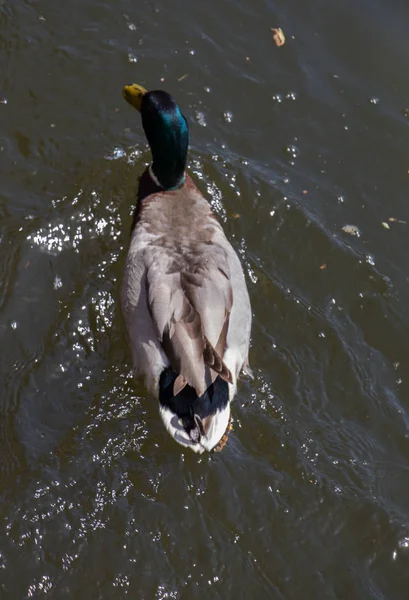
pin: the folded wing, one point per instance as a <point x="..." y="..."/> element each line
<point x="190" y="302"/>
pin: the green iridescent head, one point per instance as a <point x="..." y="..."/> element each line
<point x="166" y="130"/>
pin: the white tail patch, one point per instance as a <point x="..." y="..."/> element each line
<point x="215" y="426"/>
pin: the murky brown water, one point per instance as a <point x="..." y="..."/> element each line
<point x="310" y="498"/>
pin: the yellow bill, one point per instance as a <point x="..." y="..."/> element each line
<point x="134" y="94"/>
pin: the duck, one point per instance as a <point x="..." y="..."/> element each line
<point x="184" y="296"/>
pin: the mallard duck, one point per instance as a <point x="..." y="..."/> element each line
<point x="184" y="297"/>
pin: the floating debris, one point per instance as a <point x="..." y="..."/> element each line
<point x="182" y="77"/>
<point x="393" y="220"/>
<point x="324" y="266"/>
<point x="351" y="230"/>
<point x="385" y="225"/>
<point x="278" y="37"/>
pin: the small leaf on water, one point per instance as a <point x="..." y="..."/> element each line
<point x="385" y="225"/>
<point x="324" y="266"/>
<point x="278" y="37"/>
<point x="393" y="220"/>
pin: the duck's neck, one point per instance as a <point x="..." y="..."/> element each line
<point x="174" y="178"/>
<point x="168" y="175"/>
<point x="168" y="165"/>
<point x="168" y="139"/>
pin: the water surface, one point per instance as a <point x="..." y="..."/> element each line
<point x="310" y="498"/>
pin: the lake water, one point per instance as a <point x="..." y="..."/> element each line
<point x="303" y="152"/>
